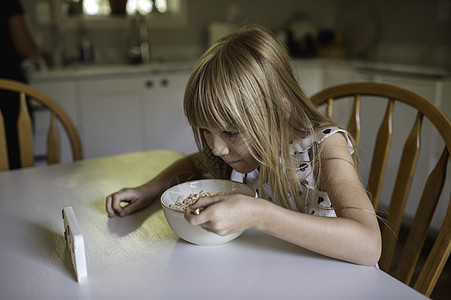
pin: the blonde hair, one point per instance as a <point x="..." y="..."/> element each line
<point x="245" y="82"/>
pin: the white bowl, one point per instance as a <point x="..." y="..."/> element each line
<point x="195" y="234"/>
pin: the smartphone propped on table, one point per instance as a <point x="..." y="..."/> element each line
<point x="75" y="243"/>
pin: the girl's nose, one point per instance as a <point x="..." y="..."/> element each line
<point x="219" y="147"/>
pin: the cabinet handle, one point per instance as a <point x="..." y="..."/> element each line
<point x="149" y="84"/>
<point x="164" y="82"/>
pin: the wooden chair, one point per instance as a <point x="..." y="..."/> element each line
<point x="24" y="127"/>
<point x="411" y="250"/>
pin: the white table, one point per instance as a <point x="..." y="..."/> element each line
<point x="139" y="257"/>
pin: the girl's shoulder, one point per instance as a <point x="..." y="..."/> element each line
<point x="320" y="133"/>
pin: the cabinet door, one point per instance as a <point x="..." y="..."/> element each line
<point x="64" y="93"/>
<point x="112" y="115"/>
<point x="166" y="126"/>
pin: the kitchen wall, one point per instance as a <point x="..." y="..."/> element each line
<point x="417" y="31"/>
<point x="409" y="32"/>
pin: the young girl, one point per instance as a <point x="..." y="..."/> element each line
<point x="253" y="123"/>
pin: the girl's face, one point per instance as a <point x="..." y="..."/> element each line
<point x="231" y="147"/>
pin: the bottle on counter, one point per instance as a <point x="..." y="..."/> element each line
<point x="144" y="39"/>
<point x="85" y="51"/>
<point x="138" y="40"/>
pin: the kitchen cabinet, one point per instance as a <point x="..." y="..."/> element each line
<point x="119" y="109"/>
<point x="134" y="113"/>
<point x="112" y="115"/>
<point x="166" y="126"/>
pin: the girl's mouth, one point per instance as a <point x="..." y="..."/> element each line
<point x="231" y="163"/>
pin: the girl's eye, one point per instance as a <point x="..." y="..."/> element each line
<point x="204" y="131"/>
<point x="230" y="134"/>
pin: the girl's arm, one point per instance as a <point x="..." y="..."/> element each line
<point x="184" y="169"/>
<point x="354" y="235"/>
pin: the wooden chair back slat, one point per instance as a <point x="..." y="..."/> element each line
<point x="422" y="220"/>
<point x="330" y="108"/>
<point x="25" y="132"/>
<point x="437" y="258"/>
<point x="401" y="190"/>
<point x="4" y="163"/>
<point x="354" y="121"/>
<point x="380" y="156"/>
<point x="53" y="142"/>
<point x="432" y="191"/>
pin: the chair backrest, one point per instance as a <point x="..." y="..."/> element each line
<point x="433" y="186"/>
<point x="25" y="132"/>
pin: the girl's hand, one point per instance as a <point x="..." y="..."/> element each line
<point x="137" y="198"/>
<point x="224" y="214"/>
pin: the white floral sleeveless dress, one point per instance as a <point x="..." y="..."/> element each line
<point x="318" y="202"/>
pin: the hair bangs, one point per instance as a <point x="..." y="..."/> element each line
<point x="210" y="101"/>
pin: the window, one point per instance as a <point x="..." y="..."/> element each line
<point x="103" y="8"/>
<point x="99" y="13"/>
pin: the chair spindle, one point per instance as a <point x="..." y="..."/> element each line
<point x="53" y="142"/>
<point x="380" y="154"/>
<point x="354" y="121"/>
<point x="4" y="163"/>
<point x="25" y="134"/>
<point x="330" y="108"/>
<point x="422" y="220"/>
<point x="437" y="258"/>
<point x="401" y="190"/>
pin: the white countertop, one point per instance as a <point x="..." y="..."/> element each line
<point x="380" y="67"/>
<point x="81" y="71"/>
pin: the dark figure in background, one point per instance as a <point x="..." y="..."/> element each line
<point x="17" y="43"/>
